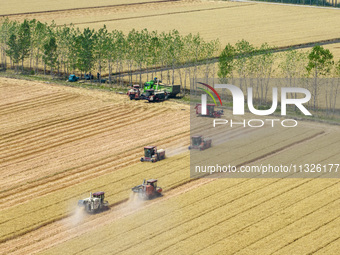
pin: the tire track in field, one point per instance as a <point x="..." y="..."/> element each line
<point x="85" y="8"/>
<point x="43" y="102"/>
<point x="8" y="106"/>
<point x="316" y="251"/>
<point x="76" y="136"/>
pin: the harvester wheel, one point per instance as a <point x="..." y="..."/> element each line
<point x="152" y="160"/>
<point x="189" y="147"/>
<point x="141" y="159"/>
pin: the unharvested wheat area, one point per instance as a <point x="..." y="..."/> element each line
<point x="59" y="143"/>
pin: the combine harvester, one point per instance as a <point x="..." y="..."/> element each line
<point x="95" y="203"/>
<point x="210" y="111"/>
<point x="155" y="95"/>
<point x="150" y="94"/>
<point x="148" y="189"/>
<point x="199" y="143"/>
<point x="151" y="154"/>
<point x="157" y="85"/>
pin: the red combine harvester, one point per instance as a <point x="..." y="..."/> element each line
<point x="151" y="154"/>
<point x="134" y="92"/>
<point x="210" y="111"/>
<point x="148" y="189"/>
<point x="199" y="143"/>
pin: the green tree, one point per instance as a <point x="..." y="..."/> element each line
<point x="50" y="51"/>
<point x="24" y="41"/>
<point x="226" y="62"/>
<point x="85" y="43"/>
<point x="101" y="48"/>
<point x="244" y="55"/>
<point x="320" y="63"/>
<point x="13" y="50"/>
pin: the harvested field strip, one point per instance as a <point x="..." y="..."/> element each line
<point x="162" y="14"/>
<point x="167" y="135"/>
<point x="62" y="4"/>
<point x="47" y="124"/>
<point x="76" y="124"/>
<point x="48" y="100"/>
<point x="101" y="129"/>
<point x="69" y="128"/>
<point x="75" y="136"/>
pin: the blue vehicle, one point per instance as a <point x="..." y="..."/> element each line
<point x="73" y="78"/>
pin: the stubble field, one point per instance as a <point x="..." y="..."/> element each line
<point x="58" y="144"/>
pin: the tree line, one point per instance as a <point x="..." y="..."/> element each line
<point x="328" y="3"/>
<point x="67" y="49"/>
<point x="257" y="67"/>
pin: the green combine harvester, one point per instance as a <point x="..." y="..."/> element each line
<point x="157" y="85"/>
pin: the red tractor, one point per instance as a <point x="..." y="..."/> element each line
<point x="134" y="92"/>
<point x="210" y="111"/>
<point x="148" y="189"/>
<point x="199" y="143"/>
<point x="151" y="154"/>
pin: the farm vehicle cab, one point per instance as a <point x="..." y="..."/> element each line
<point x="151" y="154"/>
<point x="210" y="111"/>
<point x="148" y="189"/>
<point x="95" y="203"/>
<point x="199" y="143"/>
<point x="134" y="93"/>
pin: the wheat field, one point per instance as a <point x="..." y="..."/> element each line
<point x="59" y="143"/>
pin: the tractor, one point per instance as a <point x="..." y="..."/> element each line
<point x="151" y="154"/>
<point x="199" y="143"/>
<point x="148" y="189"/>
<point x="155" y="95"/>
<point x="210" y="111"/>
<point x="95" y="203"/>
<point x="134" y="92"/>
